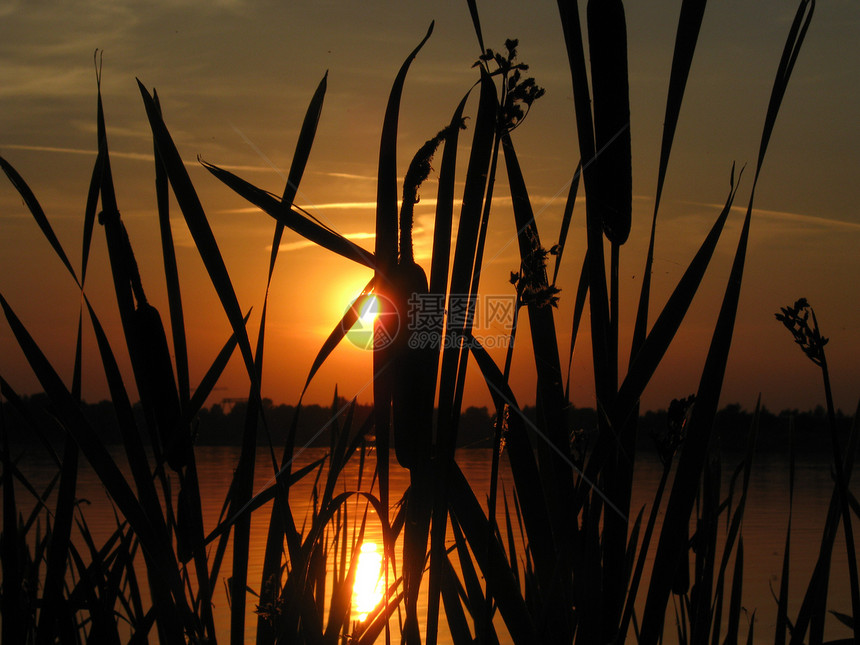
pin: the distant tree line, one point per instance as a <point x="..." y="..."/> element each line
<point x="31" y="421"/>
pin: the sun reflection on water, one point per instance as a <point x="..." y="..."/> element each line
<point x="368" y="585"/>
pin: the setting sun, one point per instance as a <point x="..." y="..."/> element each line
<point x="369" y="311"/>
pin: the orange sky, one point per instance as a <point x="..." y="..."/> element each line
<point x="235" y="78"/>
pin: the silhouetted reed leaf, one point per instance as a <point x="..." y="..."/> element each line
<point x="578" y="307"/>
<point x="90" y="215"/>
<point x="477" y="603"/>
<point x="672" y="544"/>
<point x="385" y="253"/>
<point x="524" y="468"/>
<point x="566" y="216"/>
<point x="445" y="205"/>
<point x="386" y="190"/>
<point x="465" y="248"/>
<point x="73" y="418"/>
<point x="68" y="410"/>
<point x="12" y="630"/>
<point x="59" y="546"/>
<point x="264" y="496"/>
<point x="782" y="601"/>
<point x="350" y="317"/>
<point x="171" y="274"/>
<point x="644" y="364"/>
<point x="476" y="23"/>
<point x="38" y="214"/>
<point x="554" y="458"/>
<point x="452" y="592"/>
<point x="689" y="23"/>
<point x="572" y="30"/>
<point x="23" y="409"/>
<point x="292" y="218"/>
<point x="192" y="210"/>
<point x="460" y="282"/>
<point x="491" y="558"/>
<point x="796" y="35"/>
<point x="210" y="379"/>
<point x="137" y="459"/>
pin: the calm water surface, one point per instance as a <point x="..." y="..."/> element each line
<point x="763" y="531"/>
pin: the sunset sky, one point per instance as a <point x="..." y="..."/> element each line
<point x="235" y="79"/>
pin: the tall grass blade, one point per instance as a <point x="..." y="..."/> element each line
<point x="58" y="548"/>
<point x="476" y="23"/>
<point x="686" y="38"/>
<point x="464" y="256"/>
<point x="200" y="230"/>
<point x="733" y="627"/>
<point x="452" y="592"/>
<point x="734" y="535"/>
<point x="544" y="343"/>
<point x="12" y="630"/>
<point x="38" y="214"/>
<point x="90" y="215"/>
<point x="171" y="274"/>
<point x="814" y="604"/>
<point x="782" y="601"/>
<point x="692" y="458"/>
<point x="244" y="477"/>
<point x="12" y="398"/>
<point x="454" y="355"/>
<point x="445" y="205"/>
<point x="260" y="499"/>
<point x="669" y="321"/>
<point x="566" y="216"/>
<point x="350" y="317"/>
<point x="210" y="379"/>
<point x="578" y="307"/>
<point x="572" y="30"/>
<point x="385" y="253"/>
<point x="793" y="44"/>
<point x="103" y="464"/>
<point x="672" y="544"/>
<point x="554" y="458"/>
<point x="290" y="217"/>
<point x="599" y="303"/>
<point x="689" y="24"/>
<point x="491" y="559"/>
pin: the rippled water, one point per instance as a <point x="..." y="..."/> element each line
<point x="763" y="530"/>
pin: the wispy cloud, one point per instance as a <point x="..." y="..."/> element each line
<point x="805" y="219"/>
<point x="347" y="175"/>
<point x="305" y="244"/>
<point x="134" y="156"/>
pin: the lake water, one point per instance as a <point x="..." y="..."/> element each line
<point x="763" y="530"/>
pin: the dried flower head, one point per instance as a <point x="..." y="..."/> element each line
<point x="531" y="280"/>
<point x="806" y="334"/>
<point x="518" y="93"/>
